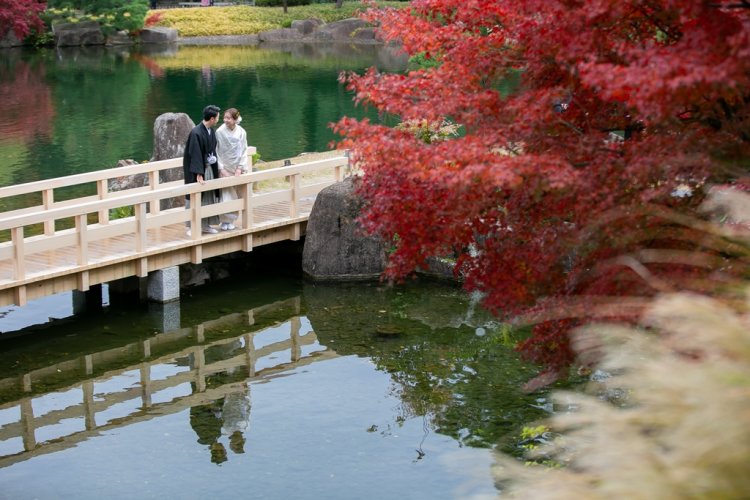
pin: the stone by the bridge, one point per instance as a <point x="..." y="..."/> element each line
<point x="335" y="247"/>
<point x="170" y="133"/>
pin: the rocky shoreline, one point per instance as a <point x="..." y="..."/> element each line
<point x="350" y="31"/>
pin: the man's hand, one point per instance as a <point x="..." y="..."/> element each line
<point x="199" y="178"/>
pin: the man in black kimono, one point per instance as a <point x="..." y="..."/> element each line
<point x="199" y="161"/>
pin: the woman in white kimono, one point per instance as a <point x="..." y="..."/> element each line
<point x="231" y="150"/>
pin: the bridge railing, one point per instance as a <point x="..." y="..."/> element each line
<point x="95" y="240"/>
<point x="44" y="192"/>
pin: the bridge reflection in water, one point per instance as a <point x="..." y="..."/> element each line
<point x="201" y="368"/>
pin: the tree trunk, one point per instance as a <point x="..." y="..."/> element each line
<point x="284" y="6"/>
<point x="339" y="3"/>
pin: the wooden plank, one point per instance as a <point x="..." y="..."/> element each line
<point x="294" y="205"/>
<point x="141" y="241"/>
<point x="48" y="200"/>
<point x="82" y="241"/>
<point x="19" y="253"/>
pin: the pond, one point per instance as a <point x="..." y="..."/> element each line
<point x="270" y="386"/>
<point x="262" y="384"/>
<point x="76" y="110"/>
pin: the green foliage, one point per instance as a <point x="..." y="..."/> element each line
<point x="244" y="20"/>
<point x="421" y="61"/>
<point x="533" y="432"/>
<point x="112" y="15"/>
<point x="121" y="212"/>
<point x="42" y="39"/>
<point x="279" y="3"/>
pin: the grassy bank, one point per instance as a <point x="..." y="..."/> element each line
<point x="246" y="20"/>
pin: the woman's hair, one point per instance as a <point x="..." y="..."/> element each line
<point x="233" y="112"/>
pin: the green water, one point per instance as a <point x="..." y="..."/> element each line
<point x="261" y="385"/>
<point x="75" y="110"/>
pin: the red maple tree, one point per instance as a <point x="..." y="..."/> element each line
<point x="578" y="180"/>
<point x="21" y="16"/>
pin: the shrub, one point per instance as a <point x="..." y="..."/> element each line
<point x="666" y="413"/>
<point x="279" y="3"/>
<point x="112" y="15"/>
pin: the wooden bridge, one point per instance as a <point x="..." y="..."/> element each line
<point x="54" y="246"/>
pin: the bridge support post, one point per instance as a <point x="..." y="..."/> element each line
<point x="164" y="285"/>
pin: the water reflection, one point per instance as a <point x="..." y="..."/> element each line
<point x="354" y="382"/>
<point x="155" y="377"/>
<point x="79" y="109"/>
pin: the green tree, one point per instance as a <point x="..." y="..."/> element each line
<point x="126" y="15"/>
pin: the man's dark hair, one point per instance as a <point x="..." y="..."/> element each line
<point x="210" y="111"/>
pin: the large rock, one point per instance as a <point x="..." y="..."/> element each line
<point x="120" y="38"/>
<point x="351" y="30"/>
<point x="127" y="181"/>
<point x="335" y="247"/>
<point x="170" y="133"/>
<point x="77" y="34"/>
<point x="280" y="35"/>
<point x="342" y="31"/>
<point x="307" y="26"/>
<point x="10" y="40"/>
<point x="158" y="34"/>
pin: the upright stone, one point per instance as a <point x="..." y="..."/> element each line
<point x="335" y="247"/>
<point x="170" y="133"/>
<point x="164" y="285"/>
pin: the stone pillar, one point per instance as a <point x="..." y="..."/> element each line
<point x="164" y="285"/>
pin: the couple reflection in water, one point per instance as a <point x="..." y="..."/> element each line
<point x="223" y="420"/>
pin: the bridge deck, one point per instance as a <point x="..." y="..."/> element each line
<point x="64" y="259"/>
